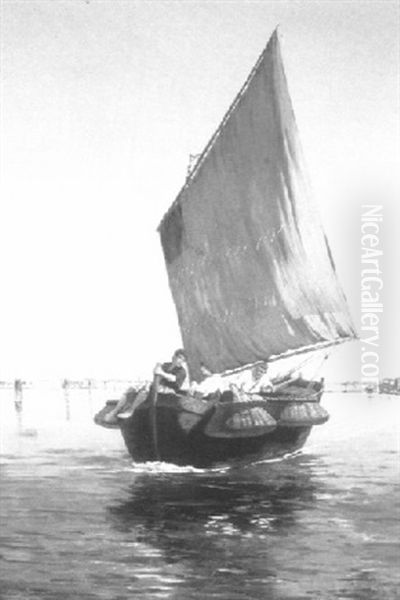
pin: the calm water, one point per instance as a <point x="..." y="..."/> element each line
<point x="78" y="520"/>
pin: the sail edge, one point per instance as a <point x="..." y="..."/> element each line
<point x="290" y="353"/>
<point x="209" y="145"/>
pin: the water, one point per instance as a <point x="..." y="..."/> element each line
<point x="78" y="520"/>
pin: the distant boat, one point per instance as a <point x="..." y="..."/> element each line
<point x="253" y="281"/>
<point x="389" y="386"/>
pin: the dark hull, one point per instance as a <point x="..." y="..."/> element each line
<point x="201" y="451"/>
<point x="184" y="441"/>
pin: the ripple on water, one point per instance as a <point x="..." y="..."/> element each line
<point x="79" y="520"/>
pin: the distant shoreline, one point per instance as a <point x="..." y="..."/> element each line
<point x="386" y="385"/>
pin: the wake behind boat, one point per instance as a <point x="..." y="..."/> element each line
<point x="254" y="283"/>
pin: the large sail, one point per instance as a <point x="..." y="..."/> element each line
<point x="249" y="266"/>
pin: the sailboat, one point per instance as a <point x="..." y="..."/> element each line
<point x="254" y="284"/>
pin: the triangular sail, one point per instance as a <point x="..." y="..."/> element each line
<point x="249" y="266"/>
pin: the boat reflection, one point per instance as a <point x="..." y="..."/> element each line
<point x="218" y="524"/>
<point x="264" y="493"/>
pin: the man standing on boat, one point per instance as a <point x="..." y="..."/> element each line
<point x="173" y="374"/>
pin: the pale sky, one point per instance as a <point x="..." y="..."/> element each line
<point x="102" y="103"/>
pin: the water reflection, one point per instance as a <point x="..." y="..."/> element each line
<point x="266" y="493"/>
<point x="19" y="404"/>
<point x="218" y="525"/>
<point x="67" y="403"/>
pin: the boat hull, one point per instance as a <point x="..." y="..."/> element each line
<point x="180" y="429"/>
<point x="224" y="429"/>
<point x="199" y="450"/>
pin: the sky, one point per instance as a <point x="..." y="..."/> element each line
<point x="102" y="102"/>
